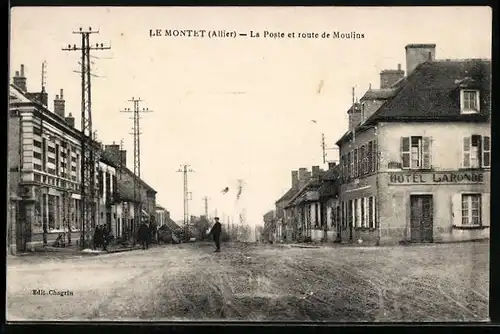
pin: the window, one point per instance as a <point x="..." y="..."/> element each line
<point x="350" y="212"/>
<point x="356" y="212"/>
<point x="351" y="164"/>
<point x="37" y="167"/>
<point x="44" y="154"/>
<point x="374" y="156"/>
<point x="36" y="143"/>
<point x="363" y="218"/>
<point x="369" y="156"/>
<point x="52" y="160"/>
<point x="416" y="152"/>
<point x="471" y="209"/>
<point x="371" y="210"/>
<point x="469" y="101"/>
<point x="476" y="152"/>
<point x="37" y="155"/>
<point x="52" y="149"/>
<point x="37" y="131"/>
<point x="356" y="163"/>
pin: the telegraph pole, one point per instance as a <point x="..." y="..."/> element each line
<point x="185" y="170"/>
<point x="324" y="148"/>
<point x="206" y="206"/>
<point x="121" y="158"/>
<point x="137" y="159"/>
<point x="88" y="148"/>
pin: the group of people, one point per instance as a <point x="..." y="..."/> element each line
<point x="102" y="237"/>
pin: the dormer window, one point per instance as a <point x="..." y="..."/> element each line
<point x="469" y="101"/>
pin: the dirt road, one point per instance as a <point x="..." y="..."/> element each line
<point x="250" y="282"/>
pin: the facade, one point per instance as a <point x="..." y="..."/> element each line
<point x="161" y="215"/>
<point x="312" y="209"/>
<point x="416" y="159"/>
<point x="44" y="169"/>
<point x="126" y="201"/>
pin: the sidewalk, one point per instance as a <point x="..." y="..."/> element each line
<point x="75" y="250"/>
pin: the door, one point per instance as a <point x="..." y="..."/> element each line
<point x="421" y="220"/>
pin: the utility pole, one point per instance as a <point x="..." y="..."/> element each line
<point x="121" y="158"/>
<point x="185" y="170"/>
<point x="324" y="148"/>
<point x="205" y="199"/>
<point x="137" y="160"/>
<point x="44" y="76"/>
<point x="88" y="148"/>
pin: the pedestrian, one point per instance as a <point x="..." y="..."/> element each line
<point x="144" y="235"/>
<point x="96" y="236"/>
<point x="215" y="232"/>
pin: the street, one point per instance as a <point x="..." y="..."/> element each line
<point x="437" y="282"/>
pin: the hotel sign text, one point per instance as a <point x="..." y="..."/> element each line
<point x="436" y="178"/>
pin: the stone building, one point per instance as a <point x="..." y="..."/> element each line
<point x="44" y="161"/>
<point x="416" y="158"/>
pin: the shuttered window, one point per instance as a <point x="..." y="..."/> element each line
<point x="476" y="152"/>
<point x="356" y="163"/>
<point x="486" y="152"/>
<point x="416" y="152"/>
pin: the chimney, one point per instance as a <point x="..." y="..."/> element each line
<point x="315" y="171"/>
<point x="20" y="80"/>
<point x="70" y="120"/>
<point x="417" y="54"/>
<point x="59" y="105"/>
<point x="390" y="77"/>
<point x="354" y="116"/>
<point x="302" y="173"/>
<point x="295" y="178"/>
<point x="331" y="165"/>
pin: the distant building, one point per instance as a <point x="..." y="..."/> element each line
<point x="416" y="158"/>
<point x="313" y="207"/>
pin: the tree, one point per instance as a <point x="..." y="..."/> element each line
<point x="201" y="226"/>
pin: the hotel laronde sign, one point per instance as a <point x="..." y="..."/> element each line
<point x="436" y="178"/>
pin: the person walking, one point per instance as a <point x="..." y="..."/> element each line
<point x="144" y="235"/>
<point x="216" y="232"/>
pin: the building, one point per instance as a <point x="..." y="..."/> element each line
<point x="313" y="207"/>
<point x="44" y="169"/>
<point x="416" y="158"/>
<point x="161" y="215"/>
<point x="285" y="217"/>
<point x="127" y="199"/>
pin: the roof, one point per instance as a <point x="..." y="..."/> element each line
<point x="288" y="195"/>
<point x="432" y="92"/>
<point x="312" y="184"/>
<point x="159" y="207"/>
<point x="378" y="94"/>
<point x="108" y="155"/>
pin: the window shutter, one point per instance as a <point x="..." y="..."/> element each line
<point x="486" y="151"/>
<point x="426" y="152"/>
<point x="367" y="212"/>
<point x="375" y="156"/>
<point x="485" y="209"/>
<point x="466" y="152"/>
<point x="456" y="209"/>
<point x="405" y="152"/>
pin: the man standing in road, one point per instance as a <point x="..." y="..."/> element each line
<point x="216" y="231"/>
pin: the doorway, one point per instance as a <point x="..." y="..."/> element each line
<point x="421" y="218"/>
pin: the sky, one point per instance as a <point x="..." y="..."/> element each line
<point x="232" y="108"/>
